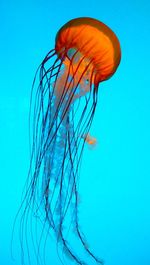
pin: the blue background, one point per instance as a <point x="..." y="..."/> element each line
<point x="115" y="177"/>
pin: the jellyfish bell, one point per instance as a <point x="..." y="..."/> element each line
<point x="63" y="102"/>
<point x="94" y="41"/>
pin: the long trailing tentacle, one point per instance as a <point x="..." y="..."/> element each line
<point x="61" y="116"/>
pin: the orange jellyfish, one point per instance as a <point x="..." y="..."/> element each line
<point x="86" y="53"/>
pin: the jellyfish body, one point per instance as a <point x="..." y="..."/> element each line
<point x="86" y="53"/>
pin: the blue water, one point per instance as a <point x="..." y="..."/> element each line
<point x="115" y="177"/>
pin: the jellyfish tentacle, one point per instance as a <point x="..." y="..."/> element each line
<point x="76" y="220"/>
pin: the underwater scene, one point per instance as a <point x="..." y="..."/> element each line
<point x="75" y="107"/>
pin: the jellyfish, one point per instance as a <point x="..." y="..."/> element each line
<point x="63" y="102"/>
